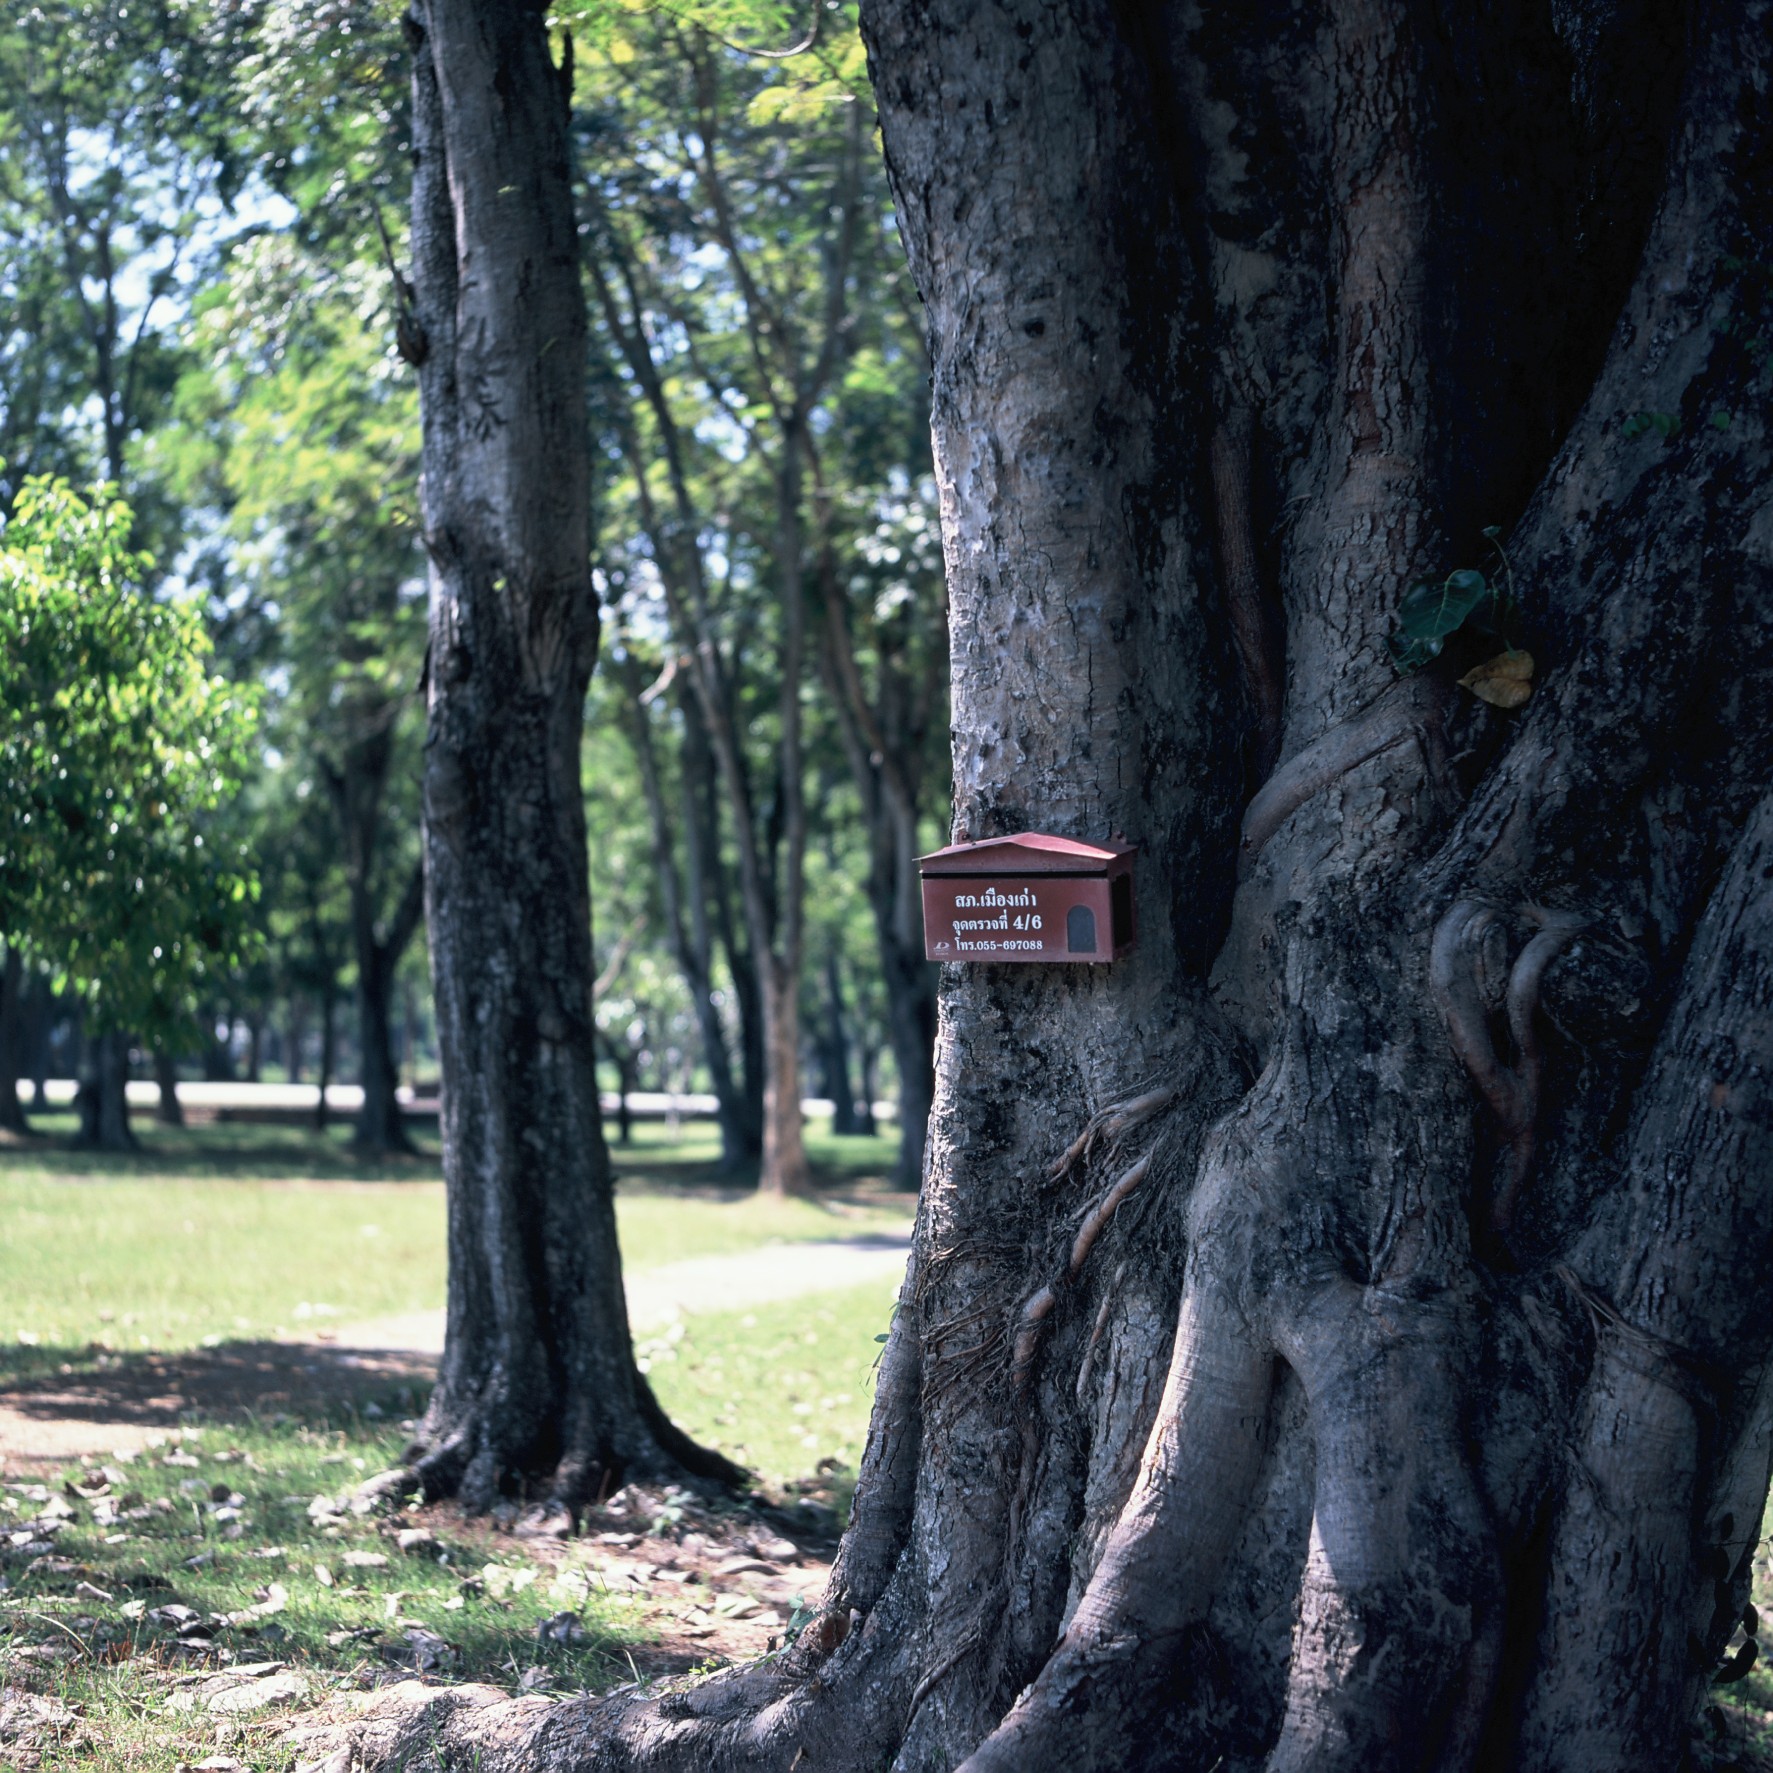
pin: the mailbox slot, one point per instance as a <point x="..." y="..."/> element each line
<point x="1029" y="897"/>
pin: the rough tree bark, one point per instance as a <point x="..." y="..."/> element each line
<point x="537" y="1388"/>
<point x="1336" y="1335"/>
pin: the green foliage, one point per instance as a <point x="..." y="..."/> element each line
<point x="119" y="166"/>
<point x="1641" y="424"/>
<point x="118" y="751"/>
<point x="1431" y="614"/>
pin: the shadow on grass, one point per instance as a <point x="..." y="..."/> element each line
<point x="218" y="1151"/>
<point x="684" y="1157"/>
<point x="158" y="1392"/>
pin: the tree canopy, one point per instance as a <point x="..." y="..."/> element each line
<point x="121" y="749"/>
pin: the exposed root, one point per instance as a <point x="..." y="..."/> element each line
<point x="969" y="1642"/>
<point x="1510" y="1091"/>
<point x="1654" y="1356"/>
<point x="1110" y="1124"/>
<point x="1388" y="720"/>
<point x="1087" y="1365"/>
<point x="886" y="1482"/>
<point x="1161" y="1565"/>
<point x="1027" y="1339"/>
<point x="1039" y="1304"/>
<point x="1096" y="1219"/>
<point x="1559" y="929"/>
<point x="1400" y="1529"/>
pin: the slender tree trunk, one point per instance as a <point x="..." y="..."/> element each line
<point x="537" y="1387"/>
<point x="102" y="1101"/>
<point x="295" y="1035"/>
<point x="884" y="742"/>
<point x="171" y="1112"/>
<point x="686" y="925"/>
<point x="409" y="1032"/>
<point x="1336" y="1338"/>
<point x="381" y="1126"/>
<point x="218" y="1053"/>
<point x="846" y="1120"/>
<point x="779" y="941"/>
<point x="710" y="891"/>
<point x="624" y="1064"/>
<point x="329" y="998"/>
<point x="13" y="1029"/>
<point x="39" y="1026"/>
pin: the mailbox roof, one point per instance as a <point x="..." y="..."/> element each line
<point x="1026" y="852"/>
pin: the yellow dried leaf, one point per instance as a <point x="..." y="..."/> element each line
<point x="1505" y="681"/>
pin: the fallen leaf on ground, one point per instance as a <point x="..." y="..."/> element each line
<point x="1505" y="681"/>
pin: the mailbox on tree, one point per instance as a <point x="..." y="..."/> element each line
<point x="1028" y="897"/>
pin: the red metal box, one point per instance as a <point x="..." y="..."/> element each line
<point x="1028" y="897"/>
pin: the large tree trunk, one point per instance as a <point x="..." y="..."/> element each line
<point x="102" y="1100"/>
<point x="537" y="1387"/>
<point x="1336" y="1336"/>
<point x="171" y="1111"/>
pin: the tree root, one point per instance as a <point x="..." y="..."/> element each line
<point x="1160" y="1567"/>
<point x="1110" y="1124"/>
<point x="1038" y="1306"/>
<point x="1391" y="718"/>
<point x="1510" y="1091"/>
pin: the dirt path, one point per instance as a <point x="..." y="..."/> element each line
<point x="680" y="1289"/>
<point x="122" y="1406"/>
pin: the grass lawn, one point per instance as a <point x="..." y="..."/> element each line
<point x="168" y="1607"/>
<point x="225" y="1232"/>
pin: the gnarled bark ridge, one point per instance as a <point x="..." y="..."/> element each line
<point x="1335" y="1338"/>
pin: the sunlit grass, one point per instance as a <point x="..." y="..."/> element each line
<point x="785" y="1389"/>
<point x="230" y="1232"/>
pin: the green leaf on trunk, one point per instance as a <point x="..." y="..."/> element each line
<point x="1430" y="611"/>
<point x="1412" y="655"/>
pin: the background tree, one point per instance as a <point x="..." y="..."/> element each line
<point x="300" y="429"/>
<point x="693" y="901"/>
<point x="764" y="397"/>
<point x="117" y="749"/>
<point x="1336" y="1336"/>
